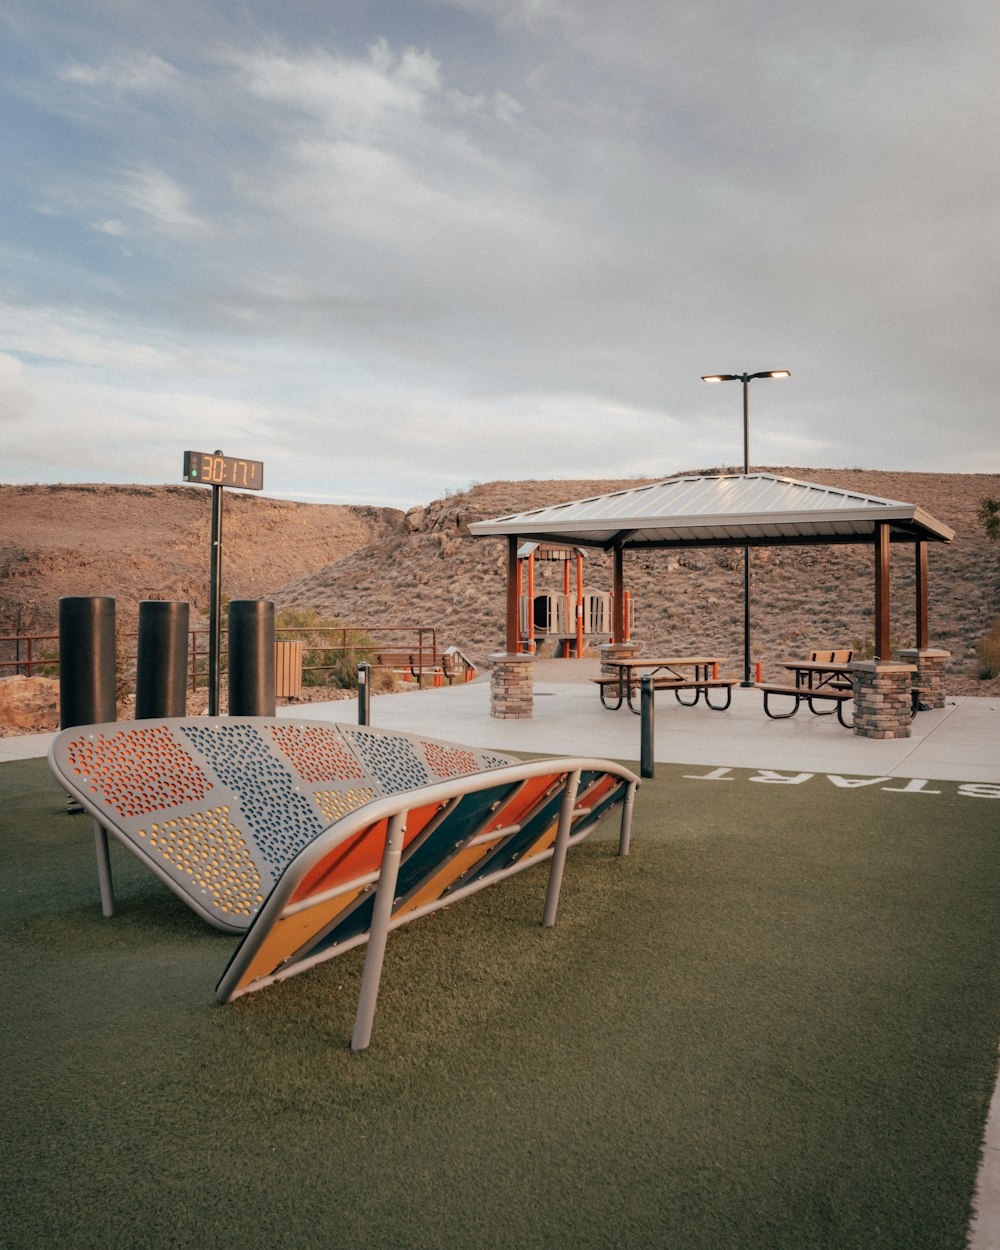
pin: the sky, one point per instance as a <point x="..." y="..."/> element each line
<point x="393" y="249"/>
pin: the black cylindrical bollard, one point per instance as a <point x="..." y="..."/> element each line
<point x="364" y="693"/>
<point x="86" y="660"/>
<point x="647" y="708"/>
<point x="251" y="658"/>
<point x="161" y="666"/>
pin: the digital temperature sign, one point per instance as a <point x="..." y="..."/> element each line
<point x="214" y="469"/>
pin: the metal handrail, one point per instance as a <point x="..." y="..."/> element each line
<point x="426" y="650"/>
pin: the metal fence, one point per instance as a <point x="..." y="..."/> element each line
<point x="330" y="649"/>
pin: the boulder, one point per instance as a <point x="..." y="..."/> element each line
<point x="29" y="703"/>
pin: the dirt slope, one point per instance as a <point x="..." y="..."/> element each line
<point x="139" y="542"/>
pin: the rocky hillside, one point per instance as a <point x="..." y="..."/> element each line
<point x="153" y="542"/>
<point x="435" y="573"/>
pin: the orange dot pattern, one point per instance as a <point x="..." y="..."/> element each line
<point x="138" y="771"/>
<point x="336" y="803"/>
<point x="449" y="761"/>
<point x="316" y="752"/>
<point x="207" y="848"/>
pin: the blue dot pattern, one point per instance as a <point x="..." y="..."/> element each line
<point x="391" y="759"/>
<point x="282" y="821"/>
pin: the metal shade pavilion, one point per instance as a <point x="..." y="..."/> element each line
<point x="727" y="510"/>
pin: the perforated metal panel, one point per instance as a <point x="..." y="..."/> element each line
<point x="218" y="806"/>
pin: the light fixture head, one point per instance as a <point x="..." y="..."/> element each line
<point x="772" y="373"/>
<point x="720" y="377"/>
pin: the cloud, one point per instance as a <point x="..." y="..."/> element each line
<point x="142" y="74"/>
<point x="519" y="230"/>
<point x="160" y="199"/>
<point x="18" y="401"/>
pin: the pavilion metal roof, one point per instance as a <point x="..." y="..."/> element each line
<point x="755" y="509"/>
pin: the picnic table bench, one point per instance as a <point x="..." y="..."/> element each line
<point x="413" y="663"/>
<point x="825" y="677"/>
<point x="808" y="695"/>
<point x="309" y="838"/>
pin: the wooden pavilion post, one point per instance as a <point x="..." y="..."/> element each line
<point x="530" y="648"/>
<point x="618" y="619"/>
<point x="882" y="644"/>
<point x="920" y="554"/>
<point x="513" y="626"/>
<point x="579" y="606"/>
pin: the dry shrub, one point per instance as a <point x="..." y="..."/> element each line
<point x="988" y="650"/>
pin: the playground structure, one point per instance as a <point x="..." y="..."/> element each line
<point x="570" y="621"/>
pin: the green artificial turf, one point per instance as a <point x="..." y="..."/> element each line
<point x="774" y="1024"/>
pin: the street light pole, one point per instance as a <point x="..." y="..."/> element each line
<point x="746" y="379"/>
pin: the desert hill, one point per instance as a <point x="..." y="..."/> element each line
<point x="154" y="542"/>
<point x="373" y="567"/>
<point x="437" y="574"/>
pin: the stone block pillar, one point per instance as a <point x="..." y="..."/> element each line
<point x="930" y="674"/>
<point x="882" y="706"/>
<point x="512" y="686"/>
<point x="616" y="651"/>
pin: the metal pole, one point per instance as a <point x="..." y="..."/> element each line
<point x="215" y="602"/>
<point x="647" y="715"/>
<point x="378" y="931"/>
<point x="746" y="424"/>
<point x="364" y="693"/>
<point x="746" y="550"/>
<point x="560" y="849"/>
<point x="104" y="870"/>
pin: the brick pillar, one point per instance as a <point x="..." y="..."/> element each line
<point x="512" y="686"/>
<point x="882" y="707"/>
<point x="616" y="651"/>
<point x="930" y="674"/>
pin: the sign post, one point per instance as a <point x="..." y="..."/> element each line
<point x="218" y="471"/>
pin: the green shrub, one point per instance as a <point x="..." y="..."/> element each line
<point x="332" y="652"/>
<point x="989" y="515"/>
<point x="988" y="650"/>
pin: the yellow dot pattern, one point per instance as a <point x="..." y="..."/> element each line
<point x="336" y="803"/>
<point x="209" y="850"/>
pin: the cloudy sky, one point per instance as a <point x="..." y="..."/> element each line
<point x="393" y="248"/>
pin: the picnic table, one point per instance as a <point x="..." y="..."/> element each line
<point x="817" y="674"/>
<point x="698" y="673"/>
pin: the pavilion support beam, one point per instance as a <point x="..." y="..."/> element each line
<point x="882" y="645"/>
<point x="513" y="624"/>
<point x="579" y="606"/>
<point x="618" y="621"/>
<point x="920" y="581"/>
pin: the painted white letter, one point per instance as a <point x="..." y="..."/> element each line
<point x="779" y="779"/>
<point x="717" y="774"/>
